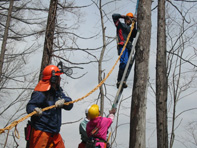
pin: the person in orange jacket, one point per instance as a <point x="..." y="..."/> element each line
<point x="46" y="125"/>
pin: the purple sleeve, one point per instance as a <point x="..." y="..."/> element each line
<point x="111" y="116"/>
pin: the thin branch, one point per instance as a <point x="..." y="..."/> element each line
<point x="182" y="58"/>
<point x="178" y="10"/>
<point x="72" y="121"/>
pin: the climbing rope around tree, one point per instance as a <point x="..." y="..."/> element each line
<point x="15" y="123"/>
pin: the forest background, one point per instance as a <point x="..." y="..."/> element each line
<point x="78" y="43"/>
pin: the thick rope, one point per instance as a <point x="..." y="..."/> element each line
<point x="14" y="123"/>
<point x="109" y="137"/>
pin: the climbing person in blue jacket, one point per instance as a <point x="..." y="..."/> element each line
<point x="46" y="125"/>
<point x="123" y="30"/>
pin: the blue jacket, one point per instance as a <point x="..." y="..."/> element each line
<point x="123" y="31"/>
<point x="50" y="120"/>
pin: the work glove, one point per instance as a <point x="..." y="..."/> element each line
<point x="135" y="18"/>
<point x="38" y="111"/>
<point x="112" y="111"/>
<point x="60" y="103"/>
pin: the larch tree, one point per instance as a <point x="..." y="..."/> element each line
<point x="49" y="36"/>
<point x="5" y="36"/>
<point x="161" y="79"/>
<point x="139" y="96"/>
<point x="100" y="60"/>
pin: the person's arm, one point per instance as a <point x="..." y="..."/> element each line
<point x="134" y="32"/>
<point x="82" y="131"/>
<point x="116" y="18"/>
<point x="112" y="114"/>
<point x="67" y="99"/>
<point x="37" y="98"/>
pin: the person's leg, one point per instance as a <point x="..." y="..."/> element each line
<point x="82" y="145"/>
<point x="58" y="141"/>
<point x="124" y="58"/>
<point x="123" y="62"/>
<point x="38" y="139"/>
<point x="120" y="74"/>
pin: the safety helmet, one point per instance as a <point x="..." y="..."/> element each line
<point x="93" y="111"/>
<point x="49" y="71"/>
<point x="129" y="14"/>
<point x="86" y="110"/>
<point x="48" y="76"/>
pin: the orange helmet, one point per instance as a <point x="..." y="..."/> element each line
<point x="48" y="71"/>
<point x="47" y="75"/>
<point x="130" y="14"/>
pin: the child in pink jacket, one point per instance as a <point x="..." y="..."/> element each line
<point x="98" y="126"/>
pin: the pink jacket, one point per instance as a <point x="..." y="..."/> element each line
<point x="103" y="124"/>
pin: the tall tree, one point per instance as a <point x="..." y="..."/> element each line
<point x="161" y="79"/>
<point x="139" y="98"/>
<point x="3" y="47"/>
<point x="49" y="36"/>
<point x="101" y="58"/>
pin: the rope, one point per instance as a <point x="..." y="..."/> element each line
<point x="109" y="137"/>
<point x="14" y="123"/>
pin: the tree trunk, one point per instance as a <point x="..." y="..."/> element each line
<point x="101" y="60"/>
<point x="49" y="36"/>
<point x="161" y="79"/>
<point x="139" y="96"/>
<point x="4" y="42"/>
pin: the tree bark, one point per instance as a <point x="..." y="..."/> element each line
<point x="139" y="96"/>
<point x="4" y="42"/>
<point x="49" y="36"/>
<point x="161" y="79"/>
<point x="101" y="60"/>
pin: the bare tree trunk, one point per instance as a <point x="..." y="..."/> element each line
<point x="161" y="79"/>
<point x="100" y="61"/>
<point x="49" y="36"/>
<point x="4" y="42"/>
<point x="139" y="96"/>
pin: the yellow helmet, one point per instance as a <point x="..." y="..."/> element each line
<point x="130" y="14"/>
<point x="93" y="111"/>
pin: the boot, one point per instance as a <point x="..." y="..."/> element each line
<point x="124" y="85"/>
<point x="117" y="84"/>
<point x="120" y="74"/>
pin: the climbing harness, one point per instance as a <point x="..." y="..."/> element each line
<point x="91" y="143"/>
<point x="126" y="72"/>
